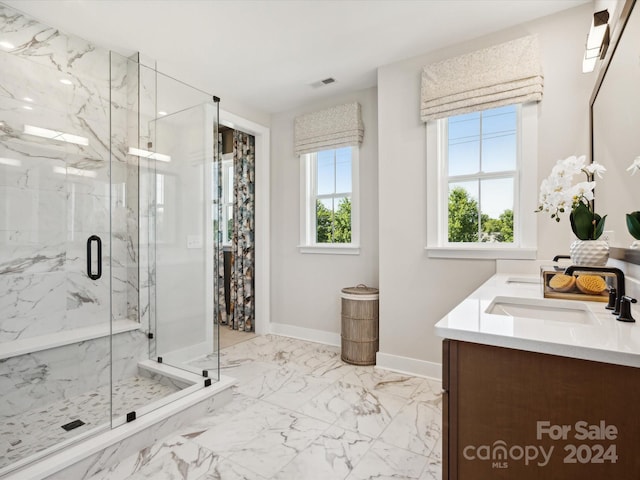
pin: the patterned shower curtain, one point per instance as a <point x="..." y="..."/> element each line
<point x="242" y="309"/>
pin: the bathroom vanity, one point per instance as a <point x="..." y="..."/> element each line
<point x="538" y="388"/>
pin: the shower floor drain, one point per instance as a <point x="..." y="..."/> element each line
<point x="72" y="425"/>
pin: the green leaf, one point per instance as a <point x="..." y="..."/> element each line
<point x="633" y="224"/>
<point x="582" y="222"/>
<point x="599" y="226"/>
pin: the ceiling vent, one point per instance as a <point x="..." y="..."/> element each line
<point x="322" y="83"/>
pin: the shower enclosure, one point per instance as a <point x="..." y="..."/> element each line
<point x="106" y="242"/>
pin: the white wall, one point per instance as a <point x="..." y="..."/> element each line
<point x="305" y="288"/>
<point x="416" y="291"/>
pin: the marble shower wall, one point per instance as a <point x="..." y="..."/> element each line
<point x="55" y="194"/>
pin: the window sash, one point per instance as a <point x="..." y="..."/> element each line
<point x="446" y="180"/>
<point x="314" y="197"/>
<point x="309" y="197"/>
<point x="226" y="198"/>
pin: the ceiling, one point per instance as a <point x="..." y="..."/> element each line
<point x="267" y="54"/>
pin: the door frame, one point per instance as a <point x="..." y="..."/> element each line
<point x="262" y="291"/>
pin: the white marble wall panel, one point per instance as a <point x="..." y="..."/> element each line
<point x="59" y="209"/>
<point x="49" y="47"/>
<point x="44" y="377"/>
<point x="88" y="301"/>
<point x="48" y="210"/>
<point x="31" y="304"/>
<point x="29" y="171"/>
<point x="32" y="210"/>
<point x="38" y="379"/>
<point x="128" y="349"/>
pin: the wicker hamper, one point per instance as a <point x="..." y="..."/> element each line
<point x="359" y="325"/>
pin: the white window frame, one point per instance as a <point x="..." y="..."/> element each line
<point x="227" y="161"/>
<point x="524" y="245"/>
<point x="308" y="244"/>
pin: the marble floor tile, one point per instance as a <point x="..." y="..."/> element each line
<point x="223" y="469"/>
<point x="386" y="462"/>
<point x="285" y="387"/>
<point x="332" y="455"/>
<point x="323" y="364"/>
<point x="300" y="413"/>
<point x="257" y="422"/>
<point x="433" y="470"/>
<point x="354" y="407"/>
<point x="429" y="390"/>
<point x="246" y="372"/>
<point x="236" y="406"/>
<point x="416" y="427"/>
<point x="378" y="380"/>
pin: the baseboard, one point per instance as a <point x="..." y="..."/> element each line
<point x="308" y="334"/>
<point x="385" y="361"/>
<point x="411" y="366"/>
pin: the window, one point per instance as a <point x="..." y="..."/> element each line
<point x="480" y="203"/>
<point x="329" y="211"/>
<point x="226" y="198"/>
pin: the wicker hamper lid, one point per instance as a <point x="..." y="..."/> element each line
<point x="361" y="289"/>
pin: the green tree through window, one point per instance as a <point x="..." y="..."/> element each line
<point x="333" y="228"/>
<point x="464" y="215"/>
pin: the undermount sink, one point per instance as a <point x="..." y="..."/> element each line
<point x="542" y="309"/>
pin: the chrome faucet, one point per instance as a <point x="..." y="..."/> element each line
<point x="619" y="274"/>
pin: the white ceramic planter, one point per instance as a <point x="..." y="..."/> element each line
<point x="594" y="253"/>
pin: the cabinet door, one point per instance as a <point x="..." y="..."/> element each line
<point x="521" y="415"/>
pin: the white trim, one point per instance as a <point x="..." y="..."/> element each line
<point x="308" y="334"/>
<point x="525" y="189"/>
<point x="308" y="211"/>
<point x="331" y="248"/>
<point x="262" y="234"/>
<point x="410" y="366"/>
<point x="528" y="176"/>
<point x="472" y="251"/>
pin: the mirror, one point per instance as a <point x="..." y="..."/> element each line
<point x="615" y="131"/>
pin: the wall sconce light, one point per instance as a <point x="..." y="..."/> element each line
<point x="597" y="41"/>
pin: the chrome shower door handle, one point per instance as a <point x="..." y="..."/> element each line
<point x="90" y="241"/>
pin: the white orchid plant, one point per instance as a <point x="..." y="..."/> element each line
<point x="633" y="218"/>
<point x="560" y="192"/>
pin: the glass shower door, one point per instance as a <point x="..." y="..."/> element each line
<point x="184" y="241"/>
<point x="55" y="266"/>
<point x="176" y="148"/>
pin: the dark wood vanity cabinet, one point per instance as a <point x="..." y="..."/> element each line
<point x="514" y="414"/>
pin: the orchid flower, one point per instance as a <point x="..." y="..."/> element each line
<point x="596" y="168"/>
<point x="635" y="166"/>
<point x="562" y="192"/>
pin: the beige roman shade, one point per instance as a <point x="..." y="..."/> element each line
<point x="334" y="127"/>
<point x="500" y="75"/>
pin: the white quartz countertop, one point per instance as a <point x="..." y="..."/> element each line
<point x="602" y="338"/>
